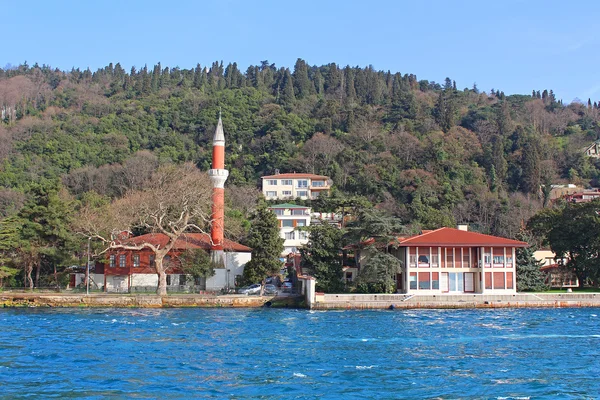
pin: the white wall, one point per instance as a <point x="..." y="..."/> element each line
<point x="234" y="262"/>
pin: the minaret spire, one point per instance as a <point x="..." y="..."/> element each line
<point x="218" y="175"/>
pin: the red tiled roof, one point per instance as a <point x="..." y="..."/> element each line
<point x="456" y="237"/>
<point x="551" y="266"/>
<point x="295" y="175"/>
<point x="187" y="241"/>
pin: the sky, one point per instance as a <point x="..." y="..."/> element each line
<point x="511" y="45"/>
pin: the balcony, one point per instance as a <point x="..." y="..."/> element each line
<point x="320" y="185"/>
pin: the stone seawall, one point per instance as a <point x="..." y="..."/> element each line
<point x="459" y="301"/>
<point x="9" y="299"/>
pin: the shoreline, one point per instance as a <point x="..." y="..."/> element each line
<point x="326" y="302"/>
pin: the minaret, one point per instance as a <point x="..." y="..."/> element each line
<point x="218" y="175"/>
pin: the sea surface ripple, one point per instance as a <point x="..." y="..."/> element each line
<point x="299" y="354"/>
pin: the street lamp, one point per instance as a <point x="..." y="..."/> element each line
<point x="87" y="275"/>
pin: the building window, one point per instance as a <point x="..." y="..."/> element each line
<point x="498" y="259"/>
<point x="122" y="261"/>
<point x="466" y="258"/>
<point x="348" y="276"/>
<point x="272" y="182"/>
<point x="287" y="223"/>
<point x="300" y="222"/>
<point x="435" y="259"/>
<point x="302" y="235"/>
<point x="423" y="260"/>
<point x="271" y="194"/>
<point x="435" y="280"/>
<point x="314" y="195"/>
<point x="113" y="260"/>
<point x="286" y="182"/>
<point x="413" y="280"/>
<point x="303" y="183"/>
<point x="136" y="261"/>
<point x="318" y="183"/>
<point x="287" y="193"/>
<point x="168" y="280"/>
<point x="487" y="258"/>
<point x="302" y="193"/>
<point x="449" y="258"/>
<point x="278" y="211"/>
<point x="424" y="282"/>
<point x="297" y="211"/>
<point x="290" y="235"/>
<point x="182" y="280"/>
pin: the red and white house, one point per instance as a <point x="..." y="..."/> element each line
<point x="448" y="260"/>
<point x="131" y="270"/>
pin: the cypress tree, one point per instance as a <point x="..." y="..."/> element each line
<point x="266" y="246"/>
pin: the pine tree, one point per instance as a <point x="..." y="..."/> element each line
<point x="529" y="276"/>
<point x="286" y="89"/>
<point x="322" y="256"/>
<point x="266" y="246"/>
<point x="302" y="85"/>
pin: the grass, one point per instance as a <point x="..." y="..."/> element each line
<point x="575" y="290"/>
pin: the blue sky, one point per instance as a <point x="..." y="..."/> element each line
<point x="512" y="45"/>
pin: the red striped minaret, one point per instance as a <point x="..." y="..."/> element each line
<point x="218" y="175"/>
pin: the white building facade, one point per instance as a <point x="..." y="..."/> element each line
<point x="292" y="219"/>
<point x="294" y="185"/>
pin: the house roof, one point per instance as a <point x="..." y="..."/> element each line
<point x="457" y="237"/>
<point x="185" y="242"/>
<point x="295" y="175"/>
<point x="287" y="205"/>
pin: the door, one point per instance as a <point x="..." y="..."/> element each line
<point x="455" y="282"/>
<point x="469" y="282"/>
<point x="444" y="282"/>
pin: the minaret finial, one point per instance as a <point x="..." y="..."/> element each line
<point x="219" y="112"/>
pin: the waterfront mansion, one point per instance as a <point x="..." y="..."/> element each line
<point x="448" y="260"/>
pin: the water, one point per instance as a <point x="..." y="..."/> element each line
<point x="297" y="354"/>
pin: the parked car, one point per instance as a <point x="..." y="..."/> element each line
<point x="286" y="287"/>
<point x="252" y="289"/>
<point x="270" y="289"/>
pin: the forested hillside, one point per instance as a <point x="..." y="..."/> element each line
<point x="432" y="154"/>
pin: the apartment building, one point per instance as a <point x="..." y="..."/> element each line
<point x="294" y="185"/>
<point x="292" y="217"/>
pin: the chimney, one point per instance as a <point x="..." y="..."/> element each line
<point x="276" y="172"/>
<point x="463" y="227"/>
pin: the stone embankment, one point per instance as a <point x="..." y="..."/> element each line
<point x="446" y="301"/>
<point x="14" y="299"/>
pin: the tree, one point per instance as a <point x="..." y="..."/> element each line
<point x="176" y="200"/>
<point x="529" y="276"/>
<point x="378" y="274"/>
<point x="197" y="263"/>
<point x="322" y="256"/>
<point x="573" y="233"/>
<point x="266" y="246"/>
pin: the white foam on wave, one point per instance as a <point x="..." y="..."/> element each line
<point x="299" y="375"/>
<point x="365" y="366"/>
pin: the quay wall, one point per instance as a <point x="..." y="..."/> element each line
<point x="321" y="301"/>
<point x="142" y="300"/>
<point x="402" y="301"/>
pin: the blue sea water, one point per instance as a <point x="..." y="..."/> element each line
<point x="299" y="354"/>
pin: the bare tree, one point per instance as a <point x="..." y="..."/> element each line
<point x="136" y="171"/>
<point x="174" y="201"/>
<point x="320" y="151"/>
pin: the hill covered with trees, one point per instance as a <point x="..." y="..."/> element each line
<point x="431" y="154"/>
